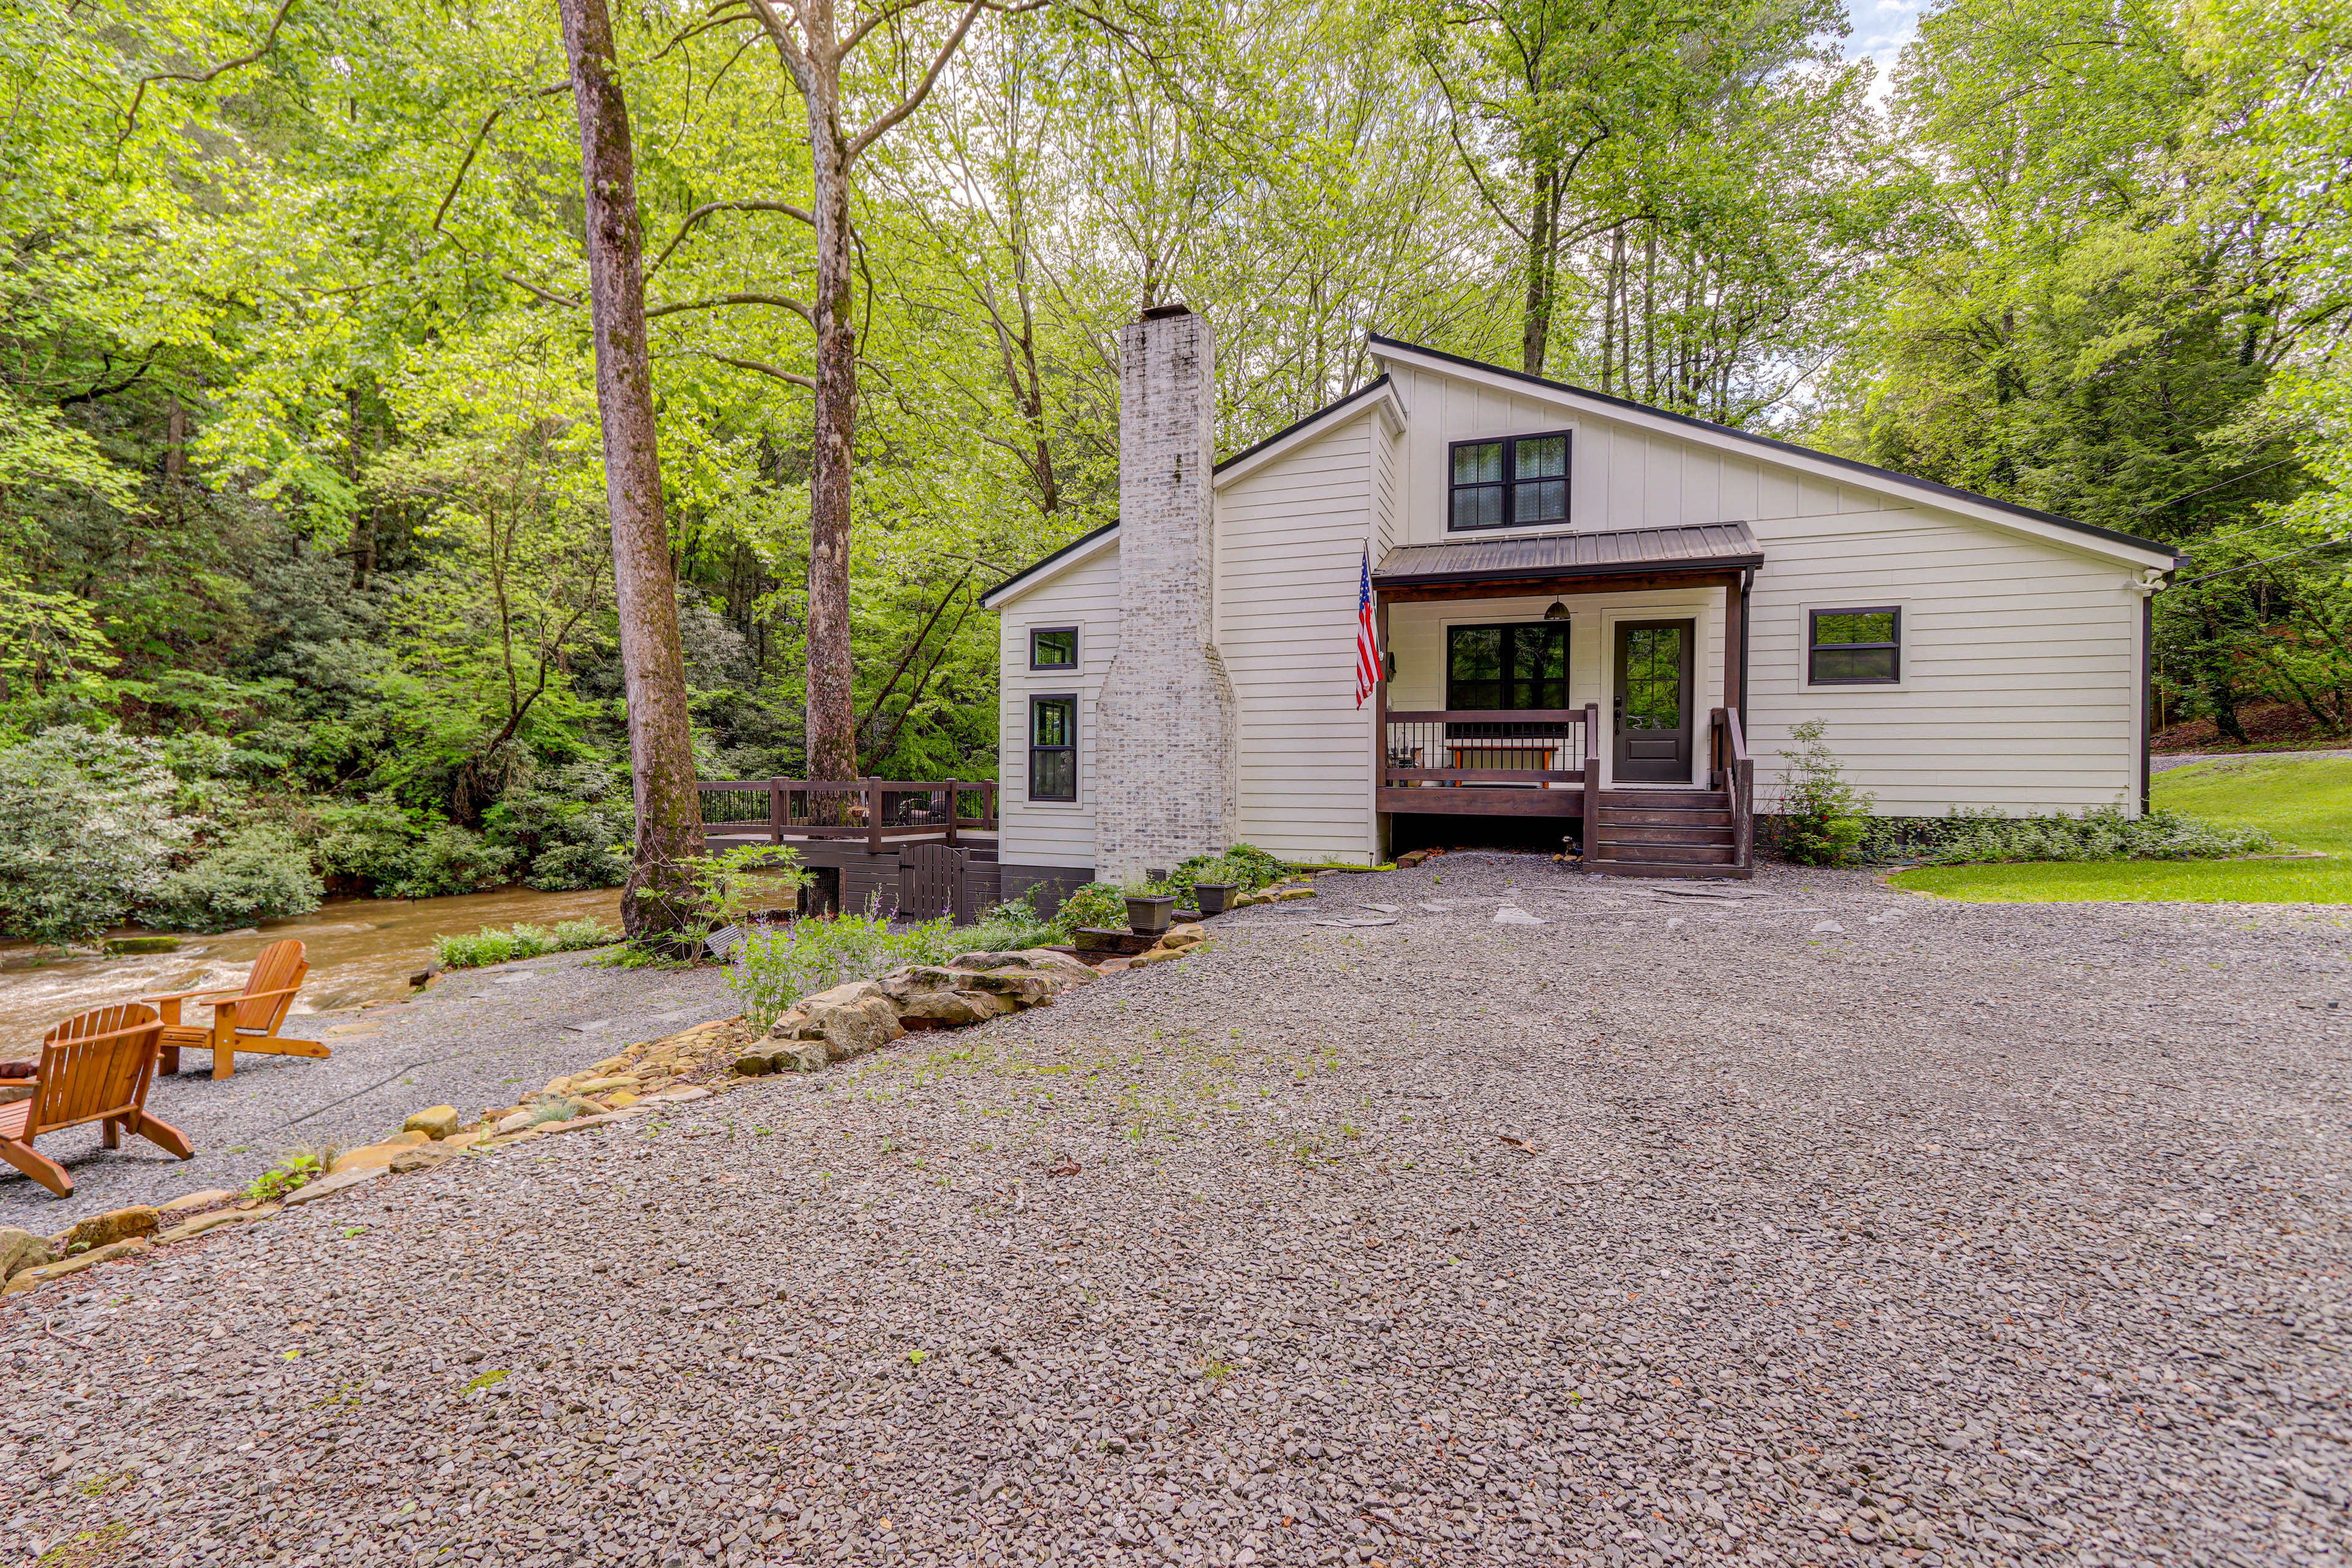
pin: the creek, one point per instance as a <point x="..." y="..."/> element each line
<point x="361" y="950"/>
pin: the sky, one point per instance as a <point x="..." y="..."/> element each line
<point x="1880" y="28"/>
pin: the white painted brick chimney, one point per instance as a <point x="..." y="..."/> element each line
<point x="1165" y="734"/>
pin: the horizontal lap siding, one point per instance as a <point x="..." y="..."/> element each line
<point x="1620" y="476"/>
<point x="1086" y="596"/>
<point x="2021" y="669"/>
<point x="1290" y="544"/>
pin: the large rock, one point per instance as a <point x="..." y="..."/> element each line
<point x="1183" y="936"/>
<point x="1020" y="987"/>
<point x="26" y="1278"/>
<point x="424" y="1157"/>
<point x="954" y="1009"/>
<point x="203" y="1200"/>
<point x="517" y="1121"/>
<point x="854" y="1028"/>
<point x="186" y="1229"/>
<point x="115" y="1225"/>
<point x="434" y="1121"/>
<point x="22" y="1250"/>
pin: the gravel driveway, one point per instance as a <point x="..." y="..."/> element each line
<point x="479" y="1037"/>
<point x="1826" y="1225"/>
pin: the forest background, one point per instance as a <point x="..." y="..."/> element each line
<point x="305" y="583"/>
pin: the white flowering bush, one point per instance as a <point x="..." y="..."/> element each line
<point x="86" y="833"/>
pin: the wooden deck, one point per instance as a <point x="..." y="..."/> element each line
<point x="889" y="843"/>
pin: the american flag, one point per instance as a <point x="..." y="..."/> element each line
<point x="1368" y="652"/>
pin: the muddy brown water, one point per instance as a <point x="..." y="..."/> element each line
<point x="361" y="950"/>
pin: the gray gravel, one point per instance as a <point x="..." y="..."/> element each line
<point x="479" y="1037"/>
<point x="1663" y="1230"/>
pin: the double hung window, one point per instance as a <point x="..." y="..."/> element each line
<point x="1054" y="747"/>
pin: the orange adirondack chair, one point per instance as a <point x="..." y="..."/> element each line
<point x="95" y="1067"/>
<point x="243" y="1020"/>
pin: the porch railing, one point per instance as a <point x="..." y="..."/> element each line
<point x="880" y="811"/>
<point x="1731" y="769"/>
<point x="1541" y="748"/>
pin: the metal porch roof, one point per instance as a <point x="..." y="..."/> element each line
<point x="1700" y="547"/>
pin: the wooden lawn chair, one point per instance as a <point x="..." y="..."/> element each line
<point x="243" y="1020"/>
<point x="95" y="1067"/>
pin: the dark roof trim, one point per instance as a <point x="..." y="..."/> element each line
<point x="1036" y="566"/>
<point x="1296" y="426"/>
<point x="1694" y="548"/>
<point x="1850" y="464"/>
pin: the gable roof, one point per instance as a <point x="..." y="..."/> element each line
<point x="1787" y="452"/>
<point x="1027" y="576"/>
<point x="1697" y="547"/>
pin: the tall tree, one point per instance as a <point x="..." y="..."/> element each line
<point x="652" y="660"/>
<point x="816" y="45"/>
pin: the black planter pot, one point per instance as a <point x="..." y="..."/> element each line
<point x="1148" y="914"/>
<point x="1215" y="897"/>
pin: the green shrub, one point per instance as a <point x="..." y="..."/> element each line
<point x="87" y="831"/>
<point x="297" y="1168"/>
<point x="491" y="945"/>
<point x="449" y="859"/>
<point x="776" y="966"/>
<point x="2102" y="833"/>
<point x="258" y="873"/>
<point x="1822" y="816"/>
<point x="372" y="841"/>
<point x="1098" y="904"/>
<point x="1253" y="868"/>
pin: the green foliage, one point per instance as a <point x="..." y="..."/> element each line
<point x="260" y="872"/>
<point x="2305" y="803"/>
<point x="1100" y="905"/>
<point x="2103" y="833"/>
<point x="1822" y="816"/>
<point x="777" y="966"/>
<point x="297" y="1168"/>
<point x="87" y="832"/>
<point x="493" y="946"/>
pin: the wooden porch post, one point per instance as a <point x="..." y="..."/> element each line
<point x="1593" y="745"/>
<point x="775" y="811"/>
<point x="1734" y="639"/>
<point x="953" y="787"/>
<point x="873" y="815"/>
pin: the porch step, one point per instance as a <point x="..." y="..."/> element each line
<point x="1664" y="833"/>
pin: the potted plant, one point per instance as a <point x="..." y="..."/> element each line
<point x="1215" y="898"/>
<point x="1148" y="913"/>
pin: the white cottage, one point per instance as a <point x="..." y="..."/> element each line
<point x="1592" y="615"/>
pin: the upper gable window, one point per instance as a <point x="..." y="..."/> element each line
<point x="1518" y="482"/>
<point x="1053" y="647"/>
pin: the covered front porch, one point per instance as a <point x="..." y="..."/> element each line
<point x="1595" y="678"/>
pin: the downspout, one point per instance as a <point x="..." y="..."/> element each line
<point x="2152" y="581"/>
<point x="1747" y="580"/>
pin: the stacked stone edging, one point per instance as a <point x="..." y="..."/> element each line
<point x="832" y="1025"/>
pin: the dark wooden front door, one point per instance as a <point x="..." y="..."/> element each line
<point x="1654" y="701"/>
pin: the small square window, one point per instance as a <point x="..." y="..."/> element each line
<point x="1053" y="647"/>
<point x="1520" y="482"/>
<point x="1854" y="647"/>
<point x="1054" y="747"/>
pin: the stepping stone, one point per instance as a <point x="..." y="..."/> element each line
<point x="1828" y="926"/>
<point x="1382" y="909"/>
<point x="1508" y="916"/>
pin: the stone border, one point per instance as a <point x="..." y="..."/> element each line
<point x="830" y="1027"/>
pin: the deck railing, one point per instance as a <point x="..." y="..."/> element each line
<point x="1730" y="768"/>
<point x="1526" y="762"/>
<point x="1447" y="748"/>
<point x="880" y="811"/>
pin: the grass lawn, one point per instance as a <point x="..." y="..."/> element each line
<point x="2306" y="805"/>
<point x="2138" y="881"/>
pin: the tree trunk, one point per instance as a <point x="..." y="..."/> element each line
<point x="832" y="672"/>
<point x="1543" y="269"/>
<point x="658" y="894"/>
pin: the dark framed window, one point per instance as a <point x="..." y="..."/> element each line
<point x="1506" y="667"/>
<point x="1053" y="647"/>
<point x="1517" y="481"/>
<point x="1854" y="647"/>
<point x="1054" y="747"/>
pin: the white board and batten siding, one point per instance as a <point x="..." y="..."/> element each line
<point x="1291" y="537"/>
<point x="2021" y="657"/>
<point x="1085" y="596"/>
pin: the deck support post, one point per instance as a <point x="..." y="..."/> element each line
<point x="1589" y="832"/>
<point x="776" y="811"/>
